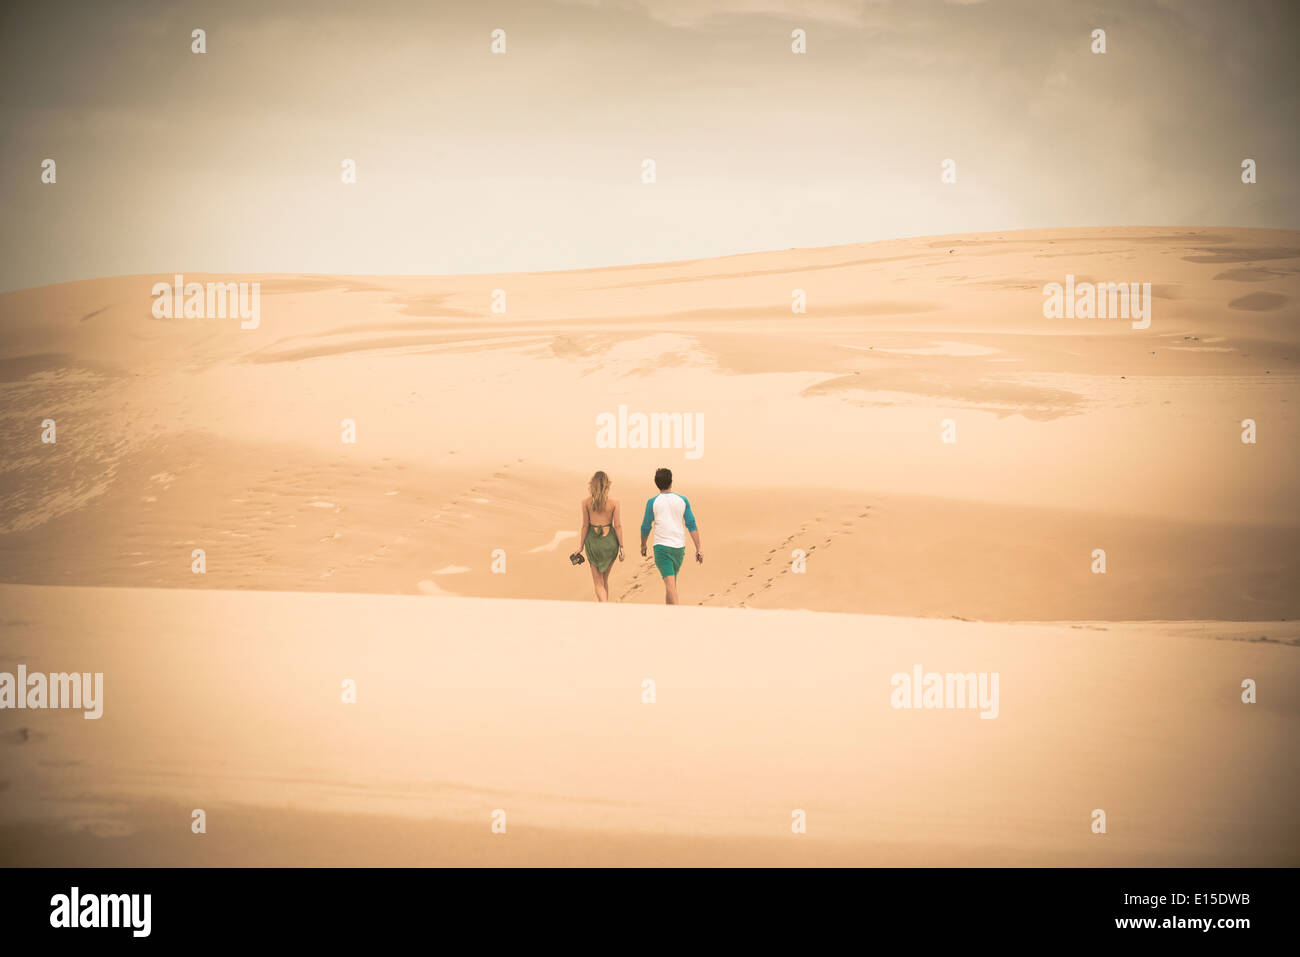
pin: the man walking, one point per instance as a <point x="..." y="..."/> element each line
<point x="671" y="516"/>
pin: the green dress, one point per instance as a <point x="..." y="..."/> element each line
<point x="602" y="546"/>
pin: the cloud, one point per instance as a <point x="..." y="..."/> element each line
<point x="691" y="13"/>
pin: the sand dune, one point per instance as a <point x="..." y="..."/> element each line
<point x="389" y="560"/>
<point x="475" y="430"/>
<point x="230" y="702"/>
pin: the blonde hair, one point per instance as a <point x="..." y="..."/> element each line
<point x="599" y="489"/>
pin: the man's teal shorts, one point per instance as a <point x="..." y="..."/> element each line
<point x="669" y="560"/>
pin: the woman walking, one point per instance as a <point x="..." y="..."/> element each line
<point x="601" y="532"/>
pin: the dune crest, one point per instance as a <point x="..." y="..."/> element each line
<point x="369" y="430"/>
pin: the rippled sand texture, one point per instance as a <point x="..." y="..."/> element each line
<point x="476" y="433"/>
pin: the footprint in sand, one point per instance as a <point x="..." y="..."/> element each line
<point x="22" y="736"/>
<point x="424" y="521"/>
<point x="102" y="827"/>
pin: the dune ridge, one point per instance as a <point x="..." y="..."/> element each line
<point x="475" y="429"/>
<point x="231" y="702"/>
<point x="846" y="542"/>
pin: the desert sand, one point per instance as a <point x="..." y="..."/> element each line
<point x="475" y="434"/>
<point x="230" y="702"/>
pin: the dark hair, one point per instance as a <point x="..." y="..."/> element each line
<point x="664" y="479"/>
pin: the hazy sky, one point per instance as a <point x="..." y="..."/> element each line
<point x="472" y="162"/>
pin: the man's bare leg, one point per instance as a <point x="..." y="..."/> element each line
<point x="670" y="590"/>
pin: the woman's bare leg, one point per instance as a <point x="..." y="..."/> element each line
<point x="599" y="580"/>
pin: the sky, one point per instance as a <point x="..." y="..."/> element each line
<point x="472" y="162"/>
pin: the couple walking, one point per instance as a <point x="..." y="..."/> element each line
<point x="601" y="532"/>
